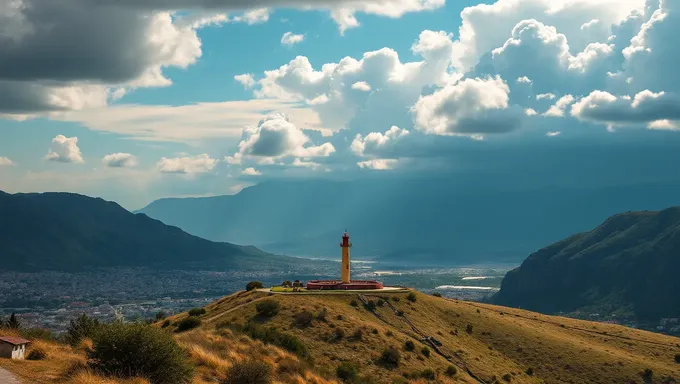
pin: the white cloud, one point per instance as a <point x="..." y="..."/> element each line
<point x="560" y="106"/>
<point x="546" y="96"/>
<point x="5" y="161"/>
<point x="246" y="79"/>
<point x="645" y="108"/>
<point x="65" y="150"/>
<point x="361" y="86"/>
<point x="289" y="39"/>
<point x="253" y="16"/>
<point x="378" y="164"/>
<point x="553" y="134"/>
<point x="251" y="172"/>
<point x="344" y="16"/>
<point x="375" y="141"/>
<point x="470" y="107"/>
<point x="119" y="160"/>
<point x="523" y="80"/>
<point x="530" y="112"/>
<point x="665" y="125"/>
<point x="187" y="165"/>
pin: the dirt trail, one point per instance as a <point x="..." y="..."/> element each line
<point x="7" y="378"/>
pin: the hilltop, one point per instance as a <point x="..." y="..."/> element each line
<point x="628" y="266"/>
<point x="445" y="220"/>
<point x="480" y="343"/>
<point x="64" y="231"/>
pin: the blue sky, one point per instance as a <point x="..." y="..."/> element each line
<point x="204" y="101"/>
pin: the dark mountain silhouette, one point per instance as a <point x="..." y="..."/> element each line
<point x="629" y="264"/>
<point x="64" y="231"/>
<point x="436" y="221"/>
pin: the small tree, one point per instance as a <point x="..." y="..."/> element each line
<point x="188" y="323"/>
<point x="197" y="312"/>
<point x="409" y="346"/>
<point x="249" y="372"/>
<point x="390" y="357"/>
<point x="347" y="371"/>
<point x="267" y="308"/>
<point x="81" y="327"/>
<point x="254" y="285"/>
<point x="138" y="350"/>
<point x="411" y="297"/>
<point x="13" y="322"/>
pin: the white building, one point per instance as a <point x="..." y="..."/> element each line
<point x="13" y="347"/>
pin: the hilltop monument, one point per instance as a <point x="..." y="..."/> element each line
<point x="345" y="281"/>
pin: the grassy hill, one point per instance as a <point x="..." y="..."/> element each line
<point x="628" y="265"/>
<point x="485" y="343"/>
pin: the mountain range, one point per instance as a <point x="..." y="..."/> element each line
<point x="628" y="265"/>
<point x="64" y="231"/>
<point x="433" y="221"/>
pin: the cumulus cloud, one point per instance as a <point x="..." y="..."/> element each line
<point x="361" y="86"/>
<point x="560" y="106"/>
<point x="250" y="171"/>
<point x="119" y="160"/>
<point x="645" y="107"/>
<point x="65" y="150"/>
<point x="470" y="107"/>
<point x="289" y="39"/>
<point x="187" y="165"/>
<point x="5" y="161"/>
<point x="378" y="164"/>
<point x="523" y="80"/>
<point x="246" y="79"/>
<point x="276" y="137"/>
<point x="372" y="143"/>
<point x="553" y="134"/>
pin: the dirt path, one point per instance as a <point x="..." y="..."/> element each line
<point x="7" y="378"/>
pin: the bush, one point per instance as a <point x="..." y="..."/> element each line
<point x="354" y="303"/>
<point x="529" y="371"/>
<point x="436" y="294"/>
<point x="411" y="297"/>
<point x="137" y="350"/>
<point x="197" y="312"/>
<point x="165" y="324"/>
<point x="409" y="346"/>
<point x="321" y="316"/>
<point x="249" y="372"/>
<point x="273" y="336"/>
<point x="380" y="302"/>
<point x="338" y="334"/>
<point x="347" y="371"/>
<point x="647" y="374"/>
<point x="677" y="358"/>
<point x="267" y="308"/>
<point x="451" y="370"/>
<point x="304" y="319"/>
<point x="507" y="377"/>
<point x="370" y="305"/>
<point x="36" y="354"/>
<point x="425" y="351"/>
<point x="468" y="329"/>
<point x="254" y="285"/>
<point x="357" y="335"/>
<point x="428" y="374"/>
<point x="188" y="323"/>
<point x="292" y="367"/>
<point x="390" y="357"/>
<point x="37" y="333"/>
<point x="80" y="328"/>
<point x="160" y="315"/>
<point x="374" y="331"/>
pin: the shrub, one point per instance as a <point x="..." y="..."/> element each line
<point x="254" y="285"/>
<point x="647" y="374"/>
<point x="80" y="328"/>
<point x="165" y="324"/>
<point x="390" y="357"/>
<point x="468" y="329"/>
<point x="37" y="333"/>
<point x="188" y="323"/>
<point x="339" y="317"/>
<point x="370" y="305"/>
<point x="436" y="294"/>
<point x="338" y="334"/>
<point x="677" y="358"/>
<point x="249" y="372"/>
<point x="507" y="377"/>
<point x="292" y="367"/>
<point x="529" y="371"/>
<point x="428" y="374"/>
<point x="374" y="331"/>
<point x="425" y="351"/>
<point x="395" y="298"/>
<point x="160" y="315"/>
<point x="36" y="354"/>
<point x="137" y="350"/>
<point x="357" y="335"/>
<point x="267" y="308"/>
<point x="321" y="316"/>
<point x="197" y="312"/>
<point x="273" y="336"/>
<point x="411" y="297"/>
<point x="409" y="346"/>
<point x="380" y="302"/>
<point x="304" y="319"/>
<point x="451" y="370"/>
<point x="347" y="371"/>
<point x="389" y="333"/>
<point x="354" y="303"/>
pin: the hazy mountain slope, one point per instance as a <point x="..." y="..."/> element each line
<point x="631" y="261"/>
<point x="502" y="341"/>
<point x="67" y="232"/>
<point x="404" y="219"/>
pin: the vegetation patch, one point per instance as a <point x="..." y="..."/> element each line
<point x="249" y="372"/>
<point x="347" y="372"/>
<point x="390" y="357"/>
<point x="451" y="370"/>
<point x="36" y="354"/>
<point x="253" y="285"/>
<point x="409" y="345"/>
<point x="188" y="323"/>
<point x="304" y="319"/>
<point x="267" y="308"/>
<point x="197" y="312"/>
<point x="81" y="327"/>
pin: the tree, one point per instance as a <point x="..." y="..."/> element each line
<point x="81" y="327"/>
<point x="249" y="372"/>
<point x="13" y="322"/>
<point x="254" y="285"/>
<point x="267" y="308"/>
<point x="138" y="350"/>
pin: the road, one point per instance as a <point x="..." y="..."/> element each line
<point x="7" y="378"/>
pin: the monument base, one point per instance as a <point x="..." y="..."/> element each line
<point x="337" y="285"/>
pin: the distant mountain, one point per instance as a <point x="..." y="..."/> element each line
<point x="65" y="231"/>
<point x="434" y="221"/>
<point x="629" y="264"/>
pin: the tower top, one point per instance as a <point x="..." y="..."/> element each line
<point x="345" y="240"/>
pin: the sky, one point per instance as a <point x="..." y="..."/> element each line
<point x="134" y="100"/>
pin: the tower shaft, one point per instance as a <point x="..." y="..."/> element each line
<point x="345" y="265"/>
